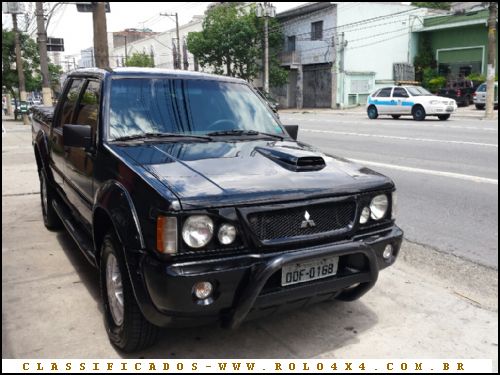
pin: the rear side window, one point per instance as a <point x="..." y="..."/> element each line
<point x="399" y="92"/>
<point x="385" y="93"/>
<point x="481" y="88"/>
<point x="69" y="102"/>
<point x="89" y="106"/>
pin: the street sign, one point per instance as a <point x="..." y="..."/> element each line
<point x="55" y="44"/>
<point x="89" y="7"/>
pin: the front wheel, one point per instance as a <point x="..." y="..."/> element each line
<point x="372" y="112"/>
<point x="127" y="328"/>
<point x="418" y="113"/>
<point x="443" y="117"/>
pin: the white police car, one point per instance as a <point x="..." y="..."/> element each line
<point x="416" y="101"/>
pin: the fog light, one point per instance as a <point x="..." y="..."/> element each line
<point x="387" y="252"/>
<point x="203" y="289"/>
<point x="365" y="215"/>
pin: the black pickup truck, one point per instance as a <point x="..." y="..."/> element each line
<point x="198" y="206"/>
<point x="460" y="90"/>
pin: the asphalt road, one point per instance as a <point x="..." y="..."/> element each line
<point x="446" y="173"/>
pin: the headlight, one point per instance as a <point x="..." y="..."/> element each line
<point x="365" y="215"/>
<point x="226" y="234"/>
<point x="197" y="231"/>
<point x="378" y="206"/>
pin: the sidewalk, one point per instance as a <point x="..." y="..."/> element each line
<point x="467" y="112"/>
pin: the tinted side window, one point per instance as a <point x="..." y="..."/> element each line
<point x="399" y="92"/>
<point x="89" y="106"/>
<point x="69" y="102"/>
<point x="385" y="93"/>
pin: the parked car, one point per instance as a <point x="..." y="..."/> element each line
<point x="197" y="206"/>
<point x="480" y="96"/>
<point x="416" y="101"/>
<point x="461" y="91"/>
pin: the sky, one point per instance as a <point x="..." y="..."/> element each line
<point x="76" y="28"/>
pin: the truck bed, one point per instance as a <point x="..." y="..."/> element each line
<point x="41" y="119"/>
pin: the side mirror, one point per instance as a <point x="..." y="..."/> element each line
<point x="77" y="136"/>
<point x="292" y="130"/>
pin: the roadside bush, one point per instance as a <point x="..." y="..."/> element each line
<point x="437" y="83"/>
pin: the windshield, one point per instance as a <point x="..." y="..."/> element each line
<point x="482" y="87"/>
<point x="185" y="106"/>
<point x="418" y="91"/>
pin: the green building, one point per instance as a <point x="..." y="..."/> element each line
<point x="459" y="42"/>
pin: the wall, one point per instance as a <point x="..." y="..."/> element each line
<point x="312" y="51"/>
<point x="372" y="46"/>
<point x="466" y="36"/>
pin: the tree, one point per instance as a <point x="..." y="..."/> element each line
<point x="425" y="58"/>
<point x="231" y="41"/>
<point x="31" y="64"/>
<point x="140" y="59"/>
<point x="433" y="5"/>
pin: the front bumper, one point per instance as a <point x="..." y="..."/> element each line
<point x="249" y="286"/>
<point x="441" y="109"/>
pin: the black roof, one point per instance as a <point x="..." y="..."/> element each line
<point x="147" y="72"/>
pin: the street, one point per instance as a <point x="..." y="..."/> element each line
<point x="446" y="173"/>
<point x="430" y="304"/>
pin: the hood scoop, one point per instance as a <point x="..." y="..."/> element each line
<point x="293" y="159"/>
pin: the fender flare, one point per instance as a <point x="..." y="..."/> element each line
<point x="115" y="200"/>
<point x="41" y="146"/>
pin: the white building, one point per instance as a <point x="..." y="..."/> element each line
<point x="86" y="58"/>
<point x="160" y="46"/>
<point x="339" y="52"/>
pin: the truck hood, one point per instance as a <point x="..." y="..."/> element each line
<point x="243" y="172"/>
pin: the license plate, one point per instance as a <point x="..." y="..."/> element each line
<point x="302" y="272"/>
<point x="449" y="109"/>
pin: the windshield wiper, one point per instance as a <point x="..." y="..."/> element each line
<point x="238" y="132"/>
<point x="160" y="135"/>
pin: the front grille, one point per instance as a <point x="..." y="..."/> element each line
<point x="291" y="222"/>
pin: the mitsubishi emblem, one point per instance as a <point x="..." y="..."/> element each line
<point x="307" y="223"/>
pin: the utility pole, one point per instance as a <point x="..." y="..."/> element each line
<point x="100" y="35"/>
<point x="20" y="70"/>
<point x="42" y="45"/>
<point x="492" y="45"/>
<point x="266" y="51"/>
<point x="177" y="61"/>
<point x="267" y="11"/>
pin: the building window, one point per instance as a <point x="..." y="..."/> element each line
<point x="290" y="44"/>
<point x="317" y="30"/>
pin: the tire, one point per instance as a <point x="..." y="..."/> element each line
<point x="466" y="101"/>
<point x="395" y="117"/>
<point x="127" y="328"/>
<point x="372" y="112"/>
<point x="418" y="113"/>
<point x="479" y="106"/>
<point x="443" y="117"/>
<point x="50" y="218"/>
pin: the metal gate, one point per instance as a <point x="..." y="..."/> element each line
<point x="317" y="86"/>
